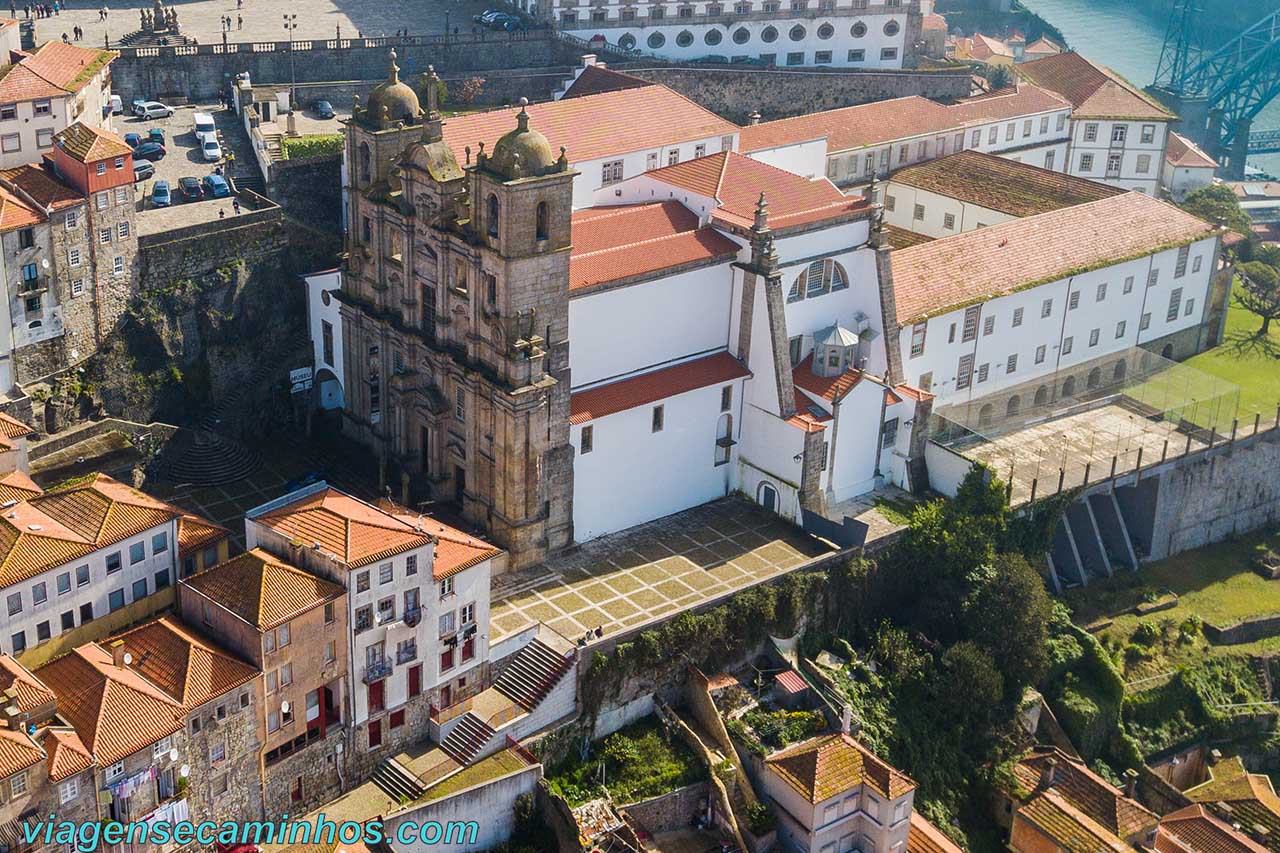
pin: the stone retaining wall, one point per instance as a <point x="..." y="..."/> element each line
<point x="670" y="811"/>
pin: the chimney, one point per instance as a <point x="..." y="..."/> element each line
<point x="117" y="653"/>
<point x="1130" y="782"/>
<point x="753" y="118"/>
<point x="589" y="59"/>
<point x="9" y="714"/>
<point x="1046" y="772"/>
<point x="846" y="719"/>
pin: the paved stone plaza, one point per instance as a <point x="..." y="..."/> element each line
<point x="628" y="579"/>
<point x="262" y="20"/>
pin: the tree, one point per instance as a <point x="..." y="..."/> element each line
<point x="1259" y="292"/>
<point x="998" y="76"/>
<point x="971" y="685"/>
<point x="1008" y="614"/>
<point x="1217" y="203"/>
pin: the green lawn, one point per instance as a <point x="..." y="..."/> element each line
<point x="1247" y="361"/>
<point x="1216" y="584"/>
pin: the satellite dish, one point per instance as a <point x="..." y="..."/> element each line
<point x="284" y="707"/>
<point x="44" y="262"/>
<point x="173" y="754"/>
<point x="185" y="771"/>
<point x="128" y="658"/>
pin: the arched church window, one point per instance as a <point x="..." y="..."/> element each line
<point x="541" y="221"/>
<point x="492" y="216"/>
<point x="364" y="161"/>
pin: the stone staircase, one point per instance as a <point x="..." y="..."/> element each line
<point x="468" y="737"/>
<point x="510" y="584"/>
<point x="1262" y="674"/>
<point x="395" y="780"/>
<point x="204" y="458"/>
<point x="534" y="672"/>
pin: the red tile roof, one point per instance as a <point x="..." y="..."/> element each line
<point x="934" y="21"/>
<point x="1184" y="153"/>
<point x="1195" y="828"/>
<point x="17" y="752"/>
<point x="196" y="534"/>
<point x="806" y="417"/>
<point x="657" y="385"/>
<point x="1094" y="91"/>
<point x="43" y="186"/>
<point x="736" y="183"/>
<point x="262" y="589"/>
<point x="187" y="667"/>
<point x="946" y="274"/>
<point x="90" y="144"/>
<point x="790" y="682"/>
<point x="1082" y="790"/>
<point x="114" y="709"/>
<point x="30" y="692"/>
<point x="15" y="213"/>
<point x="829" y="765"/>
<point x="597" y="125"/>
<point x="11" y="427"/>
<point x="997" y="183"/>
<point x="597" y="79"/>
<point x="866" y="125"/>
<point x="68" y="66"/>
<point x="454" y="550"/>
<point x="835" y="388"/>
<point x="355" y="532"/>
<point x="17" y="486"/>
<point x="67" y="754"/>
<point x="924" y="837"/>
<point x="20" y="83"/>
<point x="615" y="243"/>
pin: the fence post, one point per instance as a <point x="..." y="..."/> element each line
<point x="1235" y="422"/>
<point x="1164" y="454"/>
<point x="1034" y="482"/>
<point x="1062" y="475"/>
<point x="1188" y="450"/>
<point x="1087" y="466"/>
<point x="1114" y="461"/>
<point x="1257" y="420"/>
<point x="1137" y="469"/>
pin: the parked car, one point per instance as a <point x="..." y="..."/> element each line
<point x="153" y="109"/>
<point x="142" y="170"/>
<point x="487" y="15"/>
<point x="190" y="189"/>
<point x="160" y="194"/>
<point x="156" y="135"/>
<point x="149" y="151"/>
<point x="202" y="123"/>
<point x="212" y="150"/>
<point x="133" y="140"/>
<point x="324" y="109"/>
<point x="116" y="105"/>
<point x="136" y="105"/>
<point x="215" y="186"/>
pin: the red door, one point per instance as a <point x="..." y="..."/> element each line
<point x="415" y="680"/>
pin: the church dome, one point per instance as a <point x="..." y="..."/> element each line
<point x="522" y="152"/>
<point x="393" y="100"/>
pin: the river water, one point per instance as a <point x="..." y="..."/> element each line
<point x="1128" y="40"/>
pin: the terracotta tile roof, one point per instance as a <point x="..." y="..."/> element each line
<point x="68" y="66"/>
<point x="967" y="268"/>
<point x="262" y="589"/>
<point x="809" y="416"/>
<point x="615" y="243"/>
<point x="196" y="534"/>
<point x="736" y="182"/>
<point x="31" y="693"/>
<point x="454" y="550"/>
<point x="17" y="752"/>
<point x="115" y="710"/>
<point x="43" y="186"/>
<point x="67" y="754"/>
<point x="11" y="427"/>
<point x="834" y="388"/>
<point x="1194" y="828"/>
<point x="19" y="83"/>
<point x="1184" y="153"/>
<point x="901" y="238"/>
<point x="597" y="79"/>
<point x="1044" y="45"/>
<point x="656" y="385"/>
<point x="15" y="213"/>
<point x="17" y="486"/>
<point x="828" y="765"/>
<point x="996" y="183"/>
<point x="1069" y="827"/>
<point x="1094" y="91"/>
<point x="924" y="837"/>
<point x="790" y="681"/>
<point x="186" y="666"/>
<point x="1084" y="791"/>
<point x="866" y="125"/>
<point x="911" y="392"/>
<point x="355" y="532"/>
<point x="597" y="125"/>
<point x="1230" y="782"/>
<point x="852" y="127"/>
<point x="934" y="21"/>
<point x="90" y="144"/>
<point x="985" y="47"/>
<point x="51" y="529"/>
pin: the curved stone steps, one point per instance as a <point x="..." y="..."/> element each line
<point x="204" y="458"/>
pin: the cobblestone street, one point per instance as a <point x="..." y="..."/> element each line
<point x="261" y="20"/>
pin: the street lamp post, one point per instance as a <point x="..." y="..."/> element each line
<point x="290" y="26"/>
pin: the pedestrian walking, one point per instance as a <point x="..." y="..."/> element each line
<point x="222" y="213"/>
<point x="235" y="203"/>
<point x="239" y="22"/>
<point x="65" y="40"/>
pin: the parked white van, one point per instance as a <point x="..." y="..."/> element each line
<point x="204" y="126"/>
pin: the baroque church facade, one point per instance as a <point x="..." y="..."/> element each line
<point x="455" y="317"/>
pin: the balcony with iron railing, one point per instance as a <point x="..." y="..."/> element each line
<point x="407" y="653"/>
<point x="376" y="670"/>
<point x="412" y="616"/>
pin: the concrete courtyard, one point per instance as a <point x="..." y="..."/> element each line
<point x="638" y="576"/>
<point x="261" y="21"/>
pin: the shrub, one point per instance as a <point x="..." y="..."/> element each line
<point x="318" y="145"/>
<point x="759" y="819"/>
<point x="1146" y="634"/>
